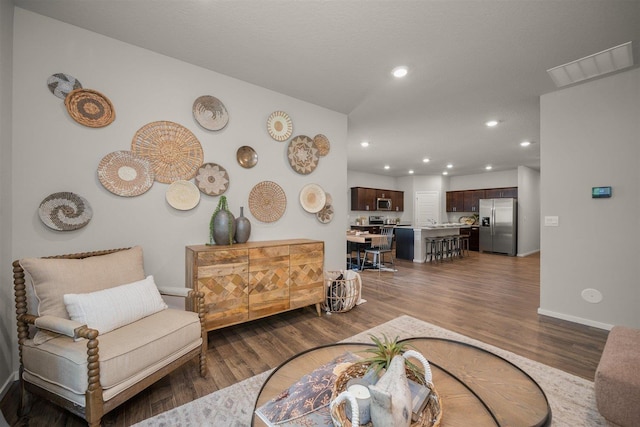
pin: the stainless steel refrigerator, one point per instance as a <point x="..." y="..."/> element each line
<point x="498" y="222"/>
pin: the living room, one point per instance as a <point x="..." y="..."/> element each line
<point x="45" y="151"/>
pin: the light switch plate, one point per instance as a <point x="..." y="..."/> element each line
<point x="551" y="221"/>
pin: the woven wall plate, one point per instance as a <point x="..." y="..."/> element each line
<point x="90" y="108"/>
<point x="210" y="112"/>
<point x="175" y="153"/>
<point x="322" y="144"/>
<point x="212" y="179"/>
<point x="125" y="174"/>
<point x="312" y="198"/>
<point x="325" y="215"/>
<point x="279" y="126"/>
<point x="65" y="211"/>
<point x="302" y="155"/>
<point x="267" y="201"/>
<point x="61" y="84"/>
<point x="183" y="195"/>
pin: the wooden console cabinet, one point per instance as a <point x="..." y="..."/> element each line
<point x="247" y="281"/>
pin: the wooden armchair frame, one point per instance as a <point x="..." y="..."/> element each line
<point x="95" y="406"/>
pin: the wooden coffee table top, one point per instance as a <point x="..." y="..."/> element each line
<point x="476" y="387"/>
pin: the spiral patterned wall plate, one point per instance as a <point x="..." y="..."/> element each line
<point x="279" y="126"/>
<point x="125" y="174"/>
<point x="303" y="155"/>
<point x="90" y="108"/>
<point x="65" y="211"/>
<point x="61" y="84"/>
<point x="312" y="198"/>
<point x="210" y="112"/>
<point x="326" y="214"/>
<point x="322" y="144"/>
<point x="175" y="153"/>
<point x="212" y="179"/>
<point x="267" y="201"/>
<point x="183" y="195"/>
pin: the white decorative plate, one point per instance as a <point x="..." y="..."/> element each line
<point x="279" y="126"/>
<point x="183" y="195"/>
<point x="312" y="198"/>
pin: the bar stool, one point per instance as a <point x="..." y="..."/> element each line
<point x="447" y="247"/>
<point x="434" y="249"/>
<point x="464" y="245"/>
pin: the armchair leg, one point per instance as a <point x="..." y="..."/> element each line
<point x="26" y="401"/>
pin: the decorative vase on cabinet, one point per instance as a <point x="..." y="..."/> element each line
<point x="243" y="227"/>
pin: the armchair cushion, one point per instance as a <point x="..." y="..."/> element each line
<point x="52" y="278"/>
<point x="112" y="308"/>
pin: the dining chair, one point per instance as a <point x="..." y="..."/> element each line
<point x="383" y="248"/>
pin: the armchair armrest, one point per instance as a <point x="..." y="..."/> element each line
<point x="175" y="291"/>
<point x="67" y="327"/>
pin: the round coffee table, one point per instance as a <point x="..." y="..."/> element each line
<point x="476" y="387"/>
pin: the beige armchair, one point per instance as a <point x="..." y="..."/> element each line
<point x="93" y="331"/>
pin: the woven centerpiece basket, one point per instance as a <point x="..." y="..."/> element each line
<point x="430" y="417"/>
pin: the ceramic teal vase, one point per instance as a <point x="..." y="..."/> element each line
<point x="243" y="227"/>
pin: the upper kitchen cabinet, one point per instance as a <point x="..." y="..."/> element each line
<point x="472" y="200"/>
<point x="363" y="199"/>
<point x="397" y="201"/>
<point x="455" y="201"/>
<point x="500" y="193"/>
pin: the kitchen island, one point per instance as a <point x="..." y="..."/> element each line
<point x="421" y="233"/>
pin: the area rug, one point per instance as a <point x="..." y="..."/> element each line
<point x="571" y="398"/>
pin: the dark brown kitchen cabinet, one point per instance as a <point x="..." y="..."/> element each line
<point x="472" y="200"/>
<point x="455" y="201"/>
<point x="363" y="199"/>
<point x="501" y="193"/>
<point x="397" y="201"/>
<point x="474" y="239"/>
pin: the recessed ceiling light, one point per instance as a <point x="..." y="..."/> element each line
<point x="399" y="72"/>
<point x="445" y="173"/>
<point x="387" y="166"/>
<point x="365" y="144"/>
<point x="488" y="167"/>
<point x="492" y="123"/>
<point x="525" y="143"/>
<point x="425" y="160"/>
<point x="410" y="171"/>
<point x="449" y="166"/>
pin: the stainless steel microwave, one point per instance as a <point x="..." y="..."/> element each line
<point x="383" y="204"/>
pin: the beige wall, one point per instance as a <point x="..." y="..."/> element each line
<point x="7" y="325"/>
<point x="53" y="153"/>
<point x="590" y="137"/>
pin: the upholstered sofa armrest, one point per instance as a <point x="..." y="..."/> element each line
<point x="67" y="327"/>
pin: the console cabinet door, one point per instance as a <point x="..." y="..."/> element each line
<point x="306" y="284"/>
<point x="268" y="280"/>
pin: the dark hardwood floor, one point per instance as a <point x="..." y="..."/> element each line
<point x="491" y="298"/>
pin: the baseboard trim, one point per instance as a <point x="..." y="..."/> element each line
<point x="575" y="319"/>
<point x="529" y="253"/>
<point x="5" y="387"/>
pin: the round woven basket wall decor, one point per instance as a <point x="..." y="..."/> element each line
<point x="175" y="153"/>
<point x="210" y="112"/>
<point x="279" y="126"/>
<point x="212" y="179"/>
<point x="183" y="195"/>
<point x="302" y="154"/>
<point x="267" y="201"/>
<point x="326" y="214"/>
<point x="90" y="108"/>
<point x="322" y="144"/>
<point x="61" y="84"/>
<point x="312" y="198"/>
<point x="125" y="174"/>
<point x="65" y="211"/>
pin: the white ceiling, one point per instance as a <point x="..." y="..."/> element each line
<point x="469" y="61"/>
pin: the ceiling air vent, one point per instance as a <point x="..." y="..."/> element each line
<point x="598" y="64"/>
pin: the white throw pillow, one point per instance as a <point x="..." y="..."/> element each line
<point x="112" y="308"/>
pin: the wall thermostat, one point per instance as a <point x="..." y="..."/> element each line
<point x="600" y="192"/>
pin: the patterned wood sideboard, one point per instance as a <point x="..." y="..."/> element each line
<point x="251" y="280"/>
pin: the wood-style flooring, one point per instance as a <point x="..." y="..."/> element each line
<point x="492" y="298"/>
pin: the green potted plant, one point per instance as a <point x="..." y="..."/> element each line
<point x="384" y="351"/>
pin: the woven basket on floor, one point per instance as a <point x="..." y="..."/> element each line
<point x="430" y="417"/>
<point x="341" y="295"/>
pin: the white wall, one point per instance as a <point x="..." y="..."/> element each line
<point x="590" y="137"/>
<point x="370" y="180"/>
<point x="528" y="211"/>
<point x="497" y="179"/>
<point x="7" y="310"/>
<point x="52" y="153"/>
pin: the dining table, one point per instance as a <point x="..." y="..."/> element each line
<point x="361" y="242"/>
